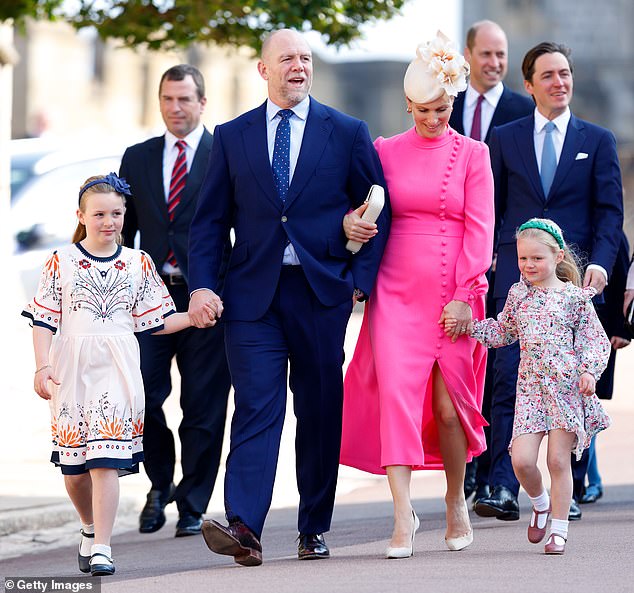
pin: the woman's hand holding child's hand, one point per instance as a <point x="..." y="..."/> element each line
<point x="587" y="384"/>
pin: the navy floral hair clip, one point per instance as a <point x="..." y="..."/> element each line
<point x="118" y="184"/>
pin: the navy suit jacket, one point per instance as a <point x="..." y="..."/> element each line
<point x="510" y="107"/>
<point x="337" y="164"/>
<point x="146" y="211"/>
<point x="585" y="199"/>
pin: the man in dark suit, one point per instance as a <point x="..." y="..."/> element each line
<point x="283" y="176"/>
<point x="547" y="165"/>
<point x="487" y="53"/>
<point x="165" y="174"/>
<point x="486" y="103"/>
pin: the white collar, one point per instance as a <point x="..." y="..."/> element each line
<point x="561" y="121"/>
<point x="300" y="110"/>
<point x="192" y="139"/>
<point x="492" y="96"/>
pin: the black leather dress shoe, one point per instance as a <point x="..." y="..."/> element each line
<point x="482" y="491"/>
<point x="312" y="546"/>
<point x="152" y="517"/>
<point x="574" y="514"/>
<point x="188" y="524"/>
<point x="502" y="504"/>
<point x="236" y="540"/>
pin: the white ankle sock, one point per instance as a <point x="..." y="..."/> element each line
<point x="101" y="549"/>
<point x="559" y="527"/>
<point x="86" y="542"/>
<point x="541" y="502"/>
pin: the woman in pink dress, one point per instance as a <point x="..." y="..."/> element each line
<point x="413" y="394"/>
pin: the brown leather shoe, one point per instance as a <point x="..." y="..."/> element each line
<point x="236" y="540"/>
<point x="535" y="532"/>
<point x="556" y="544"/>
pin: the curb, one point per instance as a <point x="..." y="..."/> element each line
<point x="48" y="515"/>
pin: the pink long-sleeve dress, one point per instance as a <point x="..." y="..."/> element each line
<point x="438" y="250"/>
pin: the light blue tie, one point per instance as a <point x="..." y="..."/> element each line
<point x="549" y="159"/>
<point x="281" y="153"/>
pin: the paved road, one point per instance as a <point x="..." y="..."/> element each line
<point x="599" y="550"/>
<point x="501" y="559"/>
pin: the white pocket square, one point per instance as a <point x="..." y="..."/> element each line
<point x="581" y="155"/>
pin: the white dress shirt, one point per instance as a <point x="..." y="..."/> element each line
<point x="487" y="109"/>
<point x="298" y="124"/>
<point x="558" y="136"/>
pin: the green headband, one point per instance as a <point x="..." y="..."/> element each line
<point x="544" y="226"/>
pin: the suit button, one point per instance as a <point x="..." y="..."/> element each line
<point x="284" y="219"/>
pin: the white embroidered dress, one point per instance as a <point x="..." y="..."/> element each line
<point x="94" y="305"/>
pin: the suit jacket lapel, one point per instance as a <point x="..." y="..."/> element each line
<point x="526" y="149"/>
<point x="196" y="173"/>
<point x="456" y="120"/>
<point x="316" y="133"/>
<point x="498" y="114"/>
<point x="256" y="149"/>
<point x="575" y="138"/>
<point x="155" y="177"/>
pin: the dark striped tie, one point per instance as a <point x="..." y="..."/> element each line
<point x="177" y="185"/>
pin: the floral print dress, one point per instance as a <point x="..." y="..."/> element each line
<point x="94" y="305"/>
<point x="560" y="338"/>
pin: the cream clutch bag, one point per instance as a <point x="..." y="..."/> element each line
<point x="375" y="201"/>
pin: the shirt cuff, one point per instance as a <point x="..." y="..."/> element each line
<point x="600" y="268"/>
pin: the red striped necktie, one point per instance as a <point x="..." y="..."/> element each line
<point x="177" y="185"/>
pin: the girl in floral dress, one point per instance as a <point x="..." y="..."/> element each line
<point x="92" y="296"/>
<point x="564" y="350"/>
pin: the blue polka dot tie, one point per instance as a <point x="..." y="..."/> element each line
<point x="281" y="153"/>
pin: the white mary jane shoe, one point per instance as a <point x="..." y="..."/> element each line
<point x="408" y="551"/>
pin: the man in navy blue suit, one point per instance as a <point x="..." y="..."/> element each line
<point x="487" y="53"/>
<point x="164" y="232"/>
<point x="584" y="198"/>
<point x="283" y="176"/>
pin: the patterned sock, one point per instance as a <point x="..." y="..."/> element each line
<point x="559" y="527"/>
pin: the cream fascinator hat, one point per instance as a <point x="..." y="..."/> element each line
<point x="438" y="68"/>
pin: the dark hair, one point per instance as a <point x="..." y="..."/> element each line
<point x="180" y="72"/>
<point x="97" y="188"/>
<point x="545" y="47"/>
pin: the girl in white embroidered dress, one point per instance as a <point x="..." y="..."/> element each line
<point x="92" y="296"/>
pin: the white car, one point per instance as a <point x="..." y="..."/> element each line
<point x="45" y="182"/>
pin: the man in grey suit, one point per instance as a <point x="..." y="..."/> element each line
<point x="486" y="103"/>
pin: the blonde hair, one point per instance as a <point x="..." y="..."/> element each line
<point x="98" y="188"/>
<point x="545" y="231"/>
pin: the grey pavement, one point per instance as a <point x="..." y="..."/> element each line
<point x="38" y="527"/>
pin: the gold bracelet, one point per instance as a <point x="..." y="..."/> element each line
<point x="46" y="366"/>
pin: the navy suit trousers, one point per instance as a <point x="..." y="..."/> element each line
<point x="205" y="384"/>
<point x="506" y="365"/>
<point x="299" y="330"/>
